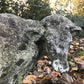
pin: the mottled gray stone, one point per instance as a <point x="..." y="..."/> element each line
<point x="21" y="41"/>
<point x="58" y="36"/>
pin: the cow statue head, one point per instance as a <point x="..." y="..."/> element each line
<point x="58" y="36"/>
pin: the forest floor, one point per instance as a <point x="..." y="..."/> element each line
<point x="43" y="73"/>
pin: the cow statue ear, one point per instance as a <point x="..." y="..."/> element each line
<point x="75" y="30"/>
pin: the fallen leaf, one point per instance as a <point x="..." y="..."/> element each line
<point x="73" y="42"/>
<point x="83" y="81"/>
<point x="74" y="68"/>
<point x="30" y="79"/>
<point x="81" y="40"/>
<point x="40" y="61"/>
<point x="82" y="48"/>
<point x="79" y="79"/>
<point x="41" y="75"/>
<point x="71" y="51"/>
<point x="82" y="57"/>
<point x="71" y="47"/>
<point x="45" y="57"/>
<point x="69" y="54"/>
<point x="55" y="74"/>
<point x="77" y="59"/>
<point x="80" y="62"/>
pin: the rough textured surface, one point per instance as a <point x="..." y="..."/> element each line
<point x="58" y="36"/>
<point x="21" y="42"/>
<point x="18" y="50"/>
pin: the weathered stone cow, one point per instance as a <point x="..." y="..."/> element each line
<point x="20" y="44"/>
